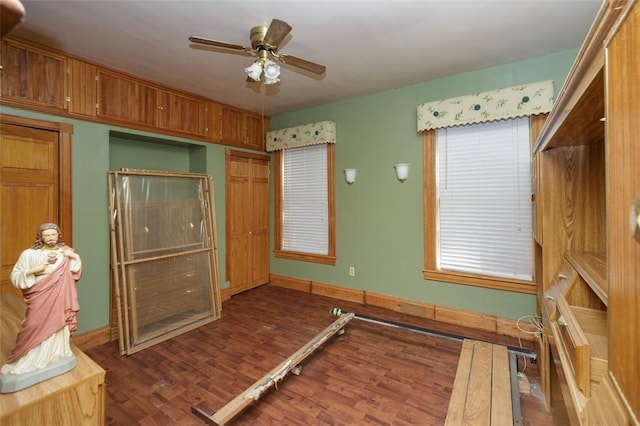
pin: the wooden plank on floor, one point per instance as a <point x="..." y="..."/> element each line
<point x="477" y="410"/>
<point x="501" y="404"/>
<point x="455" y="413"/>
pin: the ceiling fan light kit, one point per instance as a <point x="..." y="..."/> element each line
<point x="270" y="68"/>
<point x="264" y="44"/>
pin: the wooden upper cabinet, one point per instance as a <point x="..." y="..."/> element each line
<point x="82" y="95"/>
<point x="45" y="80"/>
<point x="127" y="99"/>
<point x="256" y="127"/>
<point x="182" y="113"/>
<point x="242" y="128"/>
<point x="32" y="75"/>
<point x="232" y="125"/>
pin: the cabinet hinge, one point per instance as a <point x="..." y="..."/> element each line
<point x="68" y="98"/>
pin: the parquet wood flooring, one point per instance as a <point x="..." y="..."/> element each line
<point x="370" y="375"/>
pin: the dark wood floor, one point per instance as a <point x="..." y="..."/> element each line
<point x="370" y="375"/>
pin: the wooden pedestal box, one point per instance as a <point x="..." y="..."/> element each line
<point x="73" y="398"/>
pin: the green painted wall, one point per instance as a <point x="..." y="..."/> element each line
<point x="378" y="219"/>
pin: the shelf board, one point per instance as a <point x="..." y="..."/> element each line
<point x="592" y="267"/>
<point x="576" y="117"/>
<point x="593" y="324"/>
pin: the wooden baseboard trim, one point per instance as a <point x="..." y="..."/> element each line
<point x="396" y="304"/>
<point x="92" y="338"/>
<point x="466" y="318"/>
<point x="290" y="283"/>
<point x="476" y="320"/>
<point x="336" y="292"/>
<point x="225" y="294"/>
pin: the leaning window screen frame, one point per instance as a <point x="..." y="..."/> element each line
<point x="432" y="269"/>
<point x="163" y="255"/>
<point x="286" y="245"/>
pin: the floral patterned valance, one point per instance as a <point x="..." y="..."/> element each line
<point x="307" y="134"/>
<point x="511" y="102"/>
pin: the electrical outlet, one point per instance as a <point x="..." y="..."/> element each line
<point x="352" y="271"/>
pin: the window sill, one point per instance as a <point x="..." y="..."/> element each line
<point x="495" y="283"/>
<point x="306" y="257"/>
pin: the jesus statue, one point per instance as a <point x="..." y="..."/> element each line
<point x="46" y="273"/>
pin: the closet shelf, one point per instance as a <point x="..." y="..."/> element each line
<point x="592" y="267"/>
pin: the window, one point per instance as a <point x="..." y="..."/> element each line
<point x="478" y="210"/>
<point x="304" y="226"/>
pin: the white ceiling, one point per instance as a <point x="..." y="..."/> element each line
<point x="368" y="46"/>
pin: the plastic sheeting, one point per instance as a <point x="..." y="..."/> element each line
<point x="164" y="256"/>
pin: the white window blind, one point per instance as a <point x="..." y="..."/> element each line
<point x="484" y="197"/>
<point x="305" y="201"/>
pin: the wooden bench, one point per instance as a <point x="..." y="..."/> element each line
<point x="482" y="388"/>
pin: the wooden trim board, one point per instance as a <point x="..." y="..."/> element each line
<point x="253" y="392"/>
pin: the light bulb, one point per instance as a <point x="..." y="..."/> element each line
<point x="271" y="72"/>
<point x="254" y="71"/>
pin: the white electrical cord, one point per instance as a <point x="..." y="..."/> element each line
<point x="535" y="329"/>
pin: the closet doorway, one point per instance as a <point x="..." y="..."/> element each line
<point x="247" y="220"/>
<point x="35" y="185"/>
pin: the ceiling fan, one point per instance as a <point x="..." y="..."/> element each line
<point x="264" y="44"/>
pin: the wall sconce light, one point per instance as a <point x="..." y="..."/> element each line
<point x="350" y="175"/>
<point x="402" y="171"/>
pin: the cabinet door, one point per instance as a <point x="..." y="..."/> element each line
<point x="82" y="87"/>
<point x="623" y="157"/>
<point x="232" y="125"/>
<point x="32" y="75"/>
<point x="127" y="99"/>
<point x="214" y="121"/>
<point x="259" y="209"/>
<point x="256" y="127"/>
<point x="238" y="207"/>
<point x="182" y="113"/>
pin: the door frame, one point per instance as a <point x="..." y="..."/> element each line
<point x="65" y="194"/>
<point x="226" y="293"/>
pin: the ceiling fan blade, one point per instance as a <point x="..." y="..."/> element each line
<point x="303" y="63"/>
<point x="209" y="42"/>
<point x="276" y="32"/>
